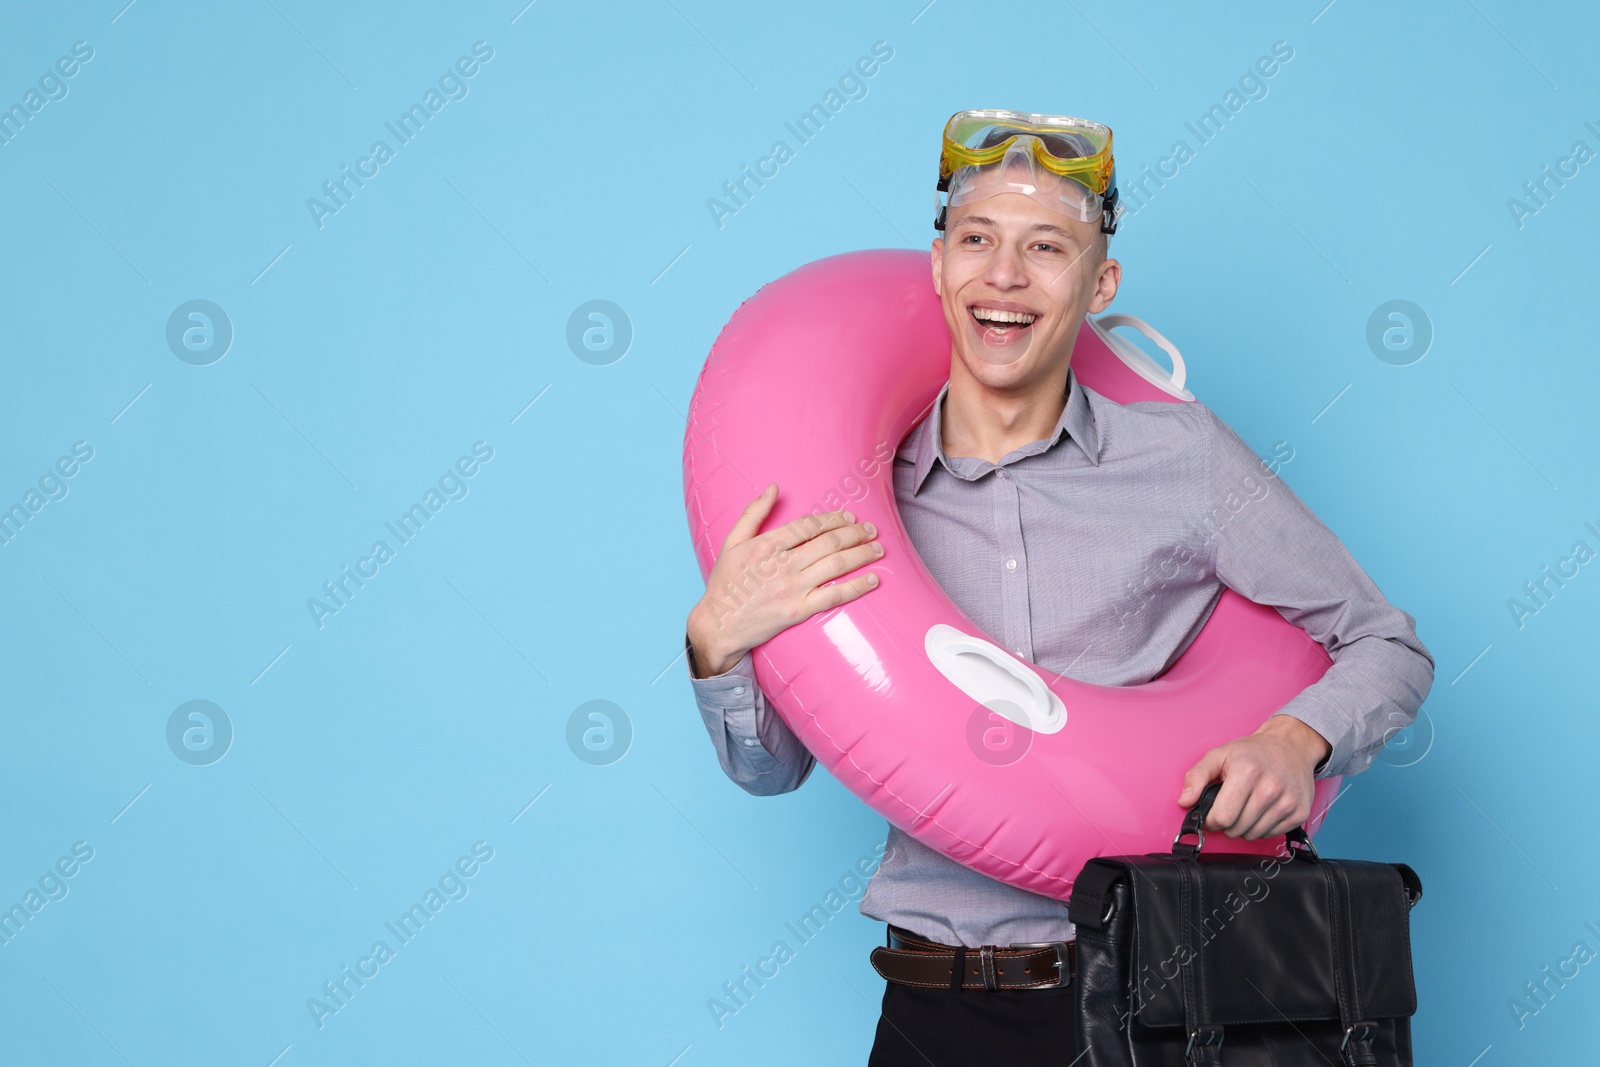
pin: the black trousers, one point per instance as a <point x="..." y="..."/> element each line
<point x="974" y="1028"/>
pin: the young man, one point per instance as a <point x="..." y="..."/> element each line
<point x="1072" y="530"/>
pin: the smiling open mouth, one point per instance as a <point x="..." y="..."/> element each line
<point x="1003" y="323"/>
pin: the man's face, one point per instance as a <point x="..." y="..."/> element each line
<point x="1007" y="257"/>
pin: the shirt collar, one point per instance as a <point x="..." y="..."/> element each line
<point x="1077" y="422"/>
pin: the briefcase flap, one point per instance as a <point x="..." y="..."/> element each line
<point x="1272" y="937"/>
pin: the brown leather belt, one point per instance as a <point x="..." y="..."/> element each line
<point x="916" y="961"/>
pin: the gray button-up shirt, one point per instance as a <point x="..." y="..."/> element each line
<point x="1099" y="553"/>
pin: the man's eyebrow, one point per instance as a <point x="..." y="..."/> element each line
<point x="984" y="220"/>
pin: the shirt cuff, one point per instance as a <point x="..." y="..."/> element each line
<point x="1331" y="724"/>
<point x="733" y="688"/>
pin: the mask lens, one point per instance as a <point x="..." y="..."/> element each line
<point x="1064" y="163"/>
<point x="1019" y="172"/>
<point x="1064" y="145"/>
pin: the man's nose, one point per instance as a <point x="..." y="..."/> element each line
<point x="1006" y="269"/>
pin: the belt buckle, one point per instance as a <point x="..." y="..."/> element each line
<point x="1063" y="975"/>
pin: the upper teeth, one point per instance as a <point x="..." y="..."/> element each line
<point x="995" y="315"/>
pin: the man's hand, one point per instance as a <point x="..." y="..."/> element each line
<point x="1267" y="779"/>
<point x="763" y="583"/>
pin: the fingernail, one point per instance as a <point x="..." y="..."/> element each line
<point x="871" y="529"/>
<point x="849" y="517"/>
<point x="872" y="579"/>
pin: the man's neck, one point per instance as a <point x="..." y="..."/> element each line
<point x="982" y="423"/>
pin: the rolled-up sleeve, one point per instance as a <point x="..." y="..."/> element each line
<point x="1272" y="549"/>
<point x="755" y="747"/>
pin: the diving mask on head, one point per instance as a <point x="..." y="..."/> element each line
<point x="1063" y="163"/>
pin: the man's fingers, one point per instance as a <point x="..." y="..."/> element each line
<point x="1199" y="776"/>
<point x="1230" y="804"/>
<point x="799" y="531"/>
<point x="1257" y="818"/>
<point x="833" y="594"/>
<point x="842" y="561"/>
<point x="1271" y="819"/>
<point x="1260" y="795"/>
<point x="815" y="559"/>
<point x="754" y="514"/>
<point x="1271" y="825"/>
<point x="1281" y="816"/>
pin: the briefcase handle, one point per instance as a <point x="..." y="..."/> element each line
<point x="1194" y="823"/>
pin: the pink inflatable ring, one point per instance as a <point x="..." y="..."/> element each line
<point x="813" y="384"/>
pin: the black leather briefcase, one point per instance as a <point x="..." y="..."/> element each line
<point x="1187" y="960"/>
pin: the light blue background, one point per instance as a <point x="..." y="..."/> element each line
<point x="371" y="352"/>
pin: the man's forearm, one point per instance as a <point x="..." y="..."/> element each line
<point x="703" y="663"/>
<point x="1306" y="738"/>
<point x="1275" y="551"/>
<point x="708" y="656"/>
<point x="1371" y="693"/>
<point x="755" y="748"/>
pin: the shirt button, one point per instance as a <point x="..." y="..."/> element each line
<point x="1000" y="472"/>
<point x="1011" y="564"/>
<point x="738" y="690"/>
<point x="749" y="740"/>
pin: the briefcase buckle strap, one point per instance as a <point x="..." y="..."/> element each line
<point x="1357" y="1043"/>
<point x="1201" y="1040"/>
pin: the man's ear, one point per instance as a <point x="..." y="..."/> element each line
<point x="934" y="261"/>
<point x="1106" y="283"/>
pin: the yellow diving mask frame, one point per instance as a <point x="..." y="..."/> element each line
<point x="1064" y="163"/>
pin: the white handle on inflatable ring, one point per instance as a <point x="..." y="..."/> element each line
<point x="1179" y="371"/>
<point x="990" y="675"/>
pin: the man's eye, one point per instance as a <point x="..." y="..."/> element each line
<point x="972" y="237"/>
<point x="1046" y="246"/>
